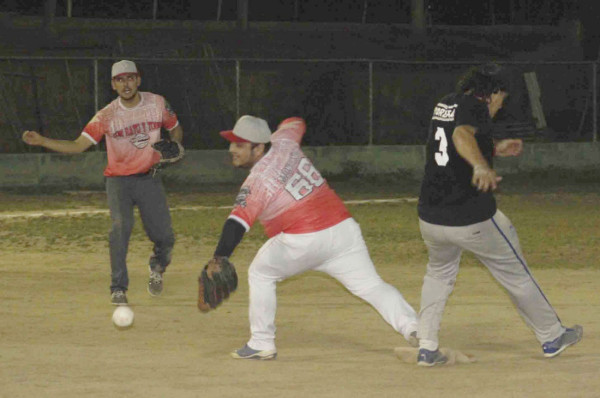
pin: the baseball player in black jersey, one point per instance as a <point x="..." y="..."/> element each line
<point x="457" y="211"/>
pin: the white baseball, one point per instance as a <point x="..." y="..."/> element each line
<point x="123" y="317"/>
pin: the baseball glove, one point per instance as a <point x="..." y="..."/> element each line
<point x="216" y="282"/>
<point x="170" y="151"/>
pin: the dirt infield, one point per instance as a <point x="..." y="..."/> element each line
<point x="57" y="340"/>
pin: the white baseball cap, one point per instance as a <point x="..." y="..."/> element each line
<point x="123" y="67"/>
<point x="249" y="129"/>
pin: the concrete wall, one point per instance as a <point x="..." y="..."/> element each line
<point x="212" y="166"/>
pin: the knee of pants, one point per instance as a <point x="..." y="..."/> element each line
<point x="441" y="275"/>
<point x="367" y="286"/>
<point x="444" y="271"/>
<point x="120" y="228"/>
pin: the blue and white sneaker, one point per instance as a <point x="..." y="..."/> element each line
<point x="431" y="358"/>
<point x="568" y="338"/>
<point x="249" y="353"/>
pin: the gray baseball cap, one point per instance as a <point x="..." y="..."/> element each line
<point x="249" y="129"/>
<point x="123" y="67"/>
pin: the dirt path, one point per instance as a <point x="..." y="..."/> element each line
<point x="56" y="338"/>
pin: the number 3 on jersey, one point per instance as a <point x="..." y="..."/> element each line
<point x="304" y="180"/>
<point x="441" y="156"/>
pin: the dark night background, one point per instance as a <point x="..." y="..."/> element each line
<point x="295" y="69"/>
<point x="451" y="12"/>
<point x="438" y="12"/>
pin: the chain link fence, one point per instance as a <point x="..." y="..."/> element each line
<point x="345" y="102"/>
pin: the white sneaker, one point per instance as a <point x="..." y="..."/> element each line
<point x="155" y="283"/>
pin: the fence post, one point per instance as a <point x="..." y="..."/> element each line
<point x="237" y="89"/>
<point x="370" y="103"/>
<point x="242" y="14"/>
<point x="96" y="95"/>
<point x="595" y="100"/>
<point x="71" y="92"/>
<point x="96" y="100"/>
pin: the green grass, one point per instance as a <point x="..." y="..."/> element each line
<point x="557" y="229"/>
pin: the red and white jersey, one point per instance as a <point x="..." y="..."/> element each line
<point x="285" y="192"/>
<point x="130" y="133"/>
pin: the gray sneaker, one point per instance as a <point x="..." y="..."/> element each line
<point x="118" y="297"/>
<point x="431" y="358"/>
<point x="568" y="338"/>
<point x="249" y="353"/>
<point x="155" y="283"/>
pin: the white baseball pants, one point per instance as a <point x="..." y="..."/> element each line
<point x="496" y="244"/>
<point x="339" y="251"/>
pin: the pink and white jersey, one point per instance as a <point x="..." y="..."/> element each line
<point x="130" y="133"/>
<point x="285" y="192"/>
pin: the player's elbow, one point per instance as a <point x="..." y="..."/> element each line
<point x="79" y="148"/>
<point x="80" y="145"/>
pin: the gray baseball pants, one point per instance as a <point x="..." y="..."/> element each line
<point x="496" y="244"/>
<point x="147" y="193"/>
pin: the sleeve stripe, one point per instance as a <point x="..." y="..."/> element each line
<point x="89" y="137"/>
<point x="241" y="221"/>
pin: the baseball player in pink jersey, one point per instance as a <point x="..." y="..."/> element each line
<point x="130" y="124"/>
<point x="309" y="228"/>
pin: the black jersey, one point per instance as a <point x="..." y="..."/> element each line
<point x="447" y="195"/>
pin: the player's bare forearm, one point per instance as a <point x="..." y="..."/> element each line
<point x="176" y="134"/>
<point x="466" y="146"/>
<point x="484" y="177"/>
<point x="508" y="147"/>
<point x="64" y="146"/>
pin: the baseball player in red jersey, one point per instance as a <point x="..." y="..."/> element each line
<point x="130" y="124"/>
<point x="309" y="228"/>
<point x="457" y="211"/>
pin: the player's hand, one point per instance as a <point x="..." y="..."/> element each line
<point x="485" y="179"/>
<point x="32" y="138"/>
<point x="509" y="147"/>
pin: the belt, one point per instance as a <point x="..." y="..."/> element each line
<point x="151" y="172"/>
